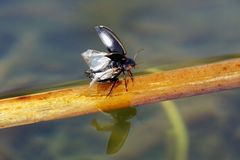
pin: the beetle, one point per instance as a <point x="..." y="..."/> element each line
<point x="104" y="66"/>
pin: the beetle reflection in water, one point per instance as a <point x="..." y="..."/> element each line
<point x="119" y="128"/>
<point x="108" y="66"/>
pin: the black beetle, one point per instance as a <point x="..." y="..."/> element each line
<point x="108" y="66"/>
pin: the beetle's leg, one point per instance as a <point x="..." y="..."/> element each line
<point x="125" y="80"/>
<point x="115" y="80"/>
<point x="89" y="73"/>
<point x="130" y="74"/>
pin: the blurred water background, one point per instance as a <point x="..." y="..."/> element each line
<point x="40" y="46"/>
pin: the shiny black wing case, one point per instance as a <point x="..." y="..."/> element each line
<point x="110" y="40"/>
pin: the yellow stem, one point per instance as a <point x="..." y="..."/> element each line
<point x="149" y="88"/>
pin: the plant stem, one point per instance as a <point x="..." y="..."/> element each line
<point x="145" y="89"/>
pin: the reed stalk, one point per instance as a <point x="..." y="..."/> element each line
<point x="149" y="88"/>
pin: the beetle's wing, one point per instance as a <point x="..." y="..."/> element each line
<point x="107" y="74"/>
<point x="110" y="40"/>
<point x="96" y="60"/>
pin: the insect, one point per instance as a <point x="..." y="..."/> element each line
<point x="104" y="66"/>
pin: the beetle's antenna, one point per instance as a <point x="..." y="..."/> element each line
<point x="139" y="51"/>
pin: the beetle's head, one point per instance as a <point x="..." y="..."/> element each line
<point x="130" y="63"/>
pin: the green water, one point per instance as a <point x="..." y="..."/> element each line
<point x="40" y="46"/>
